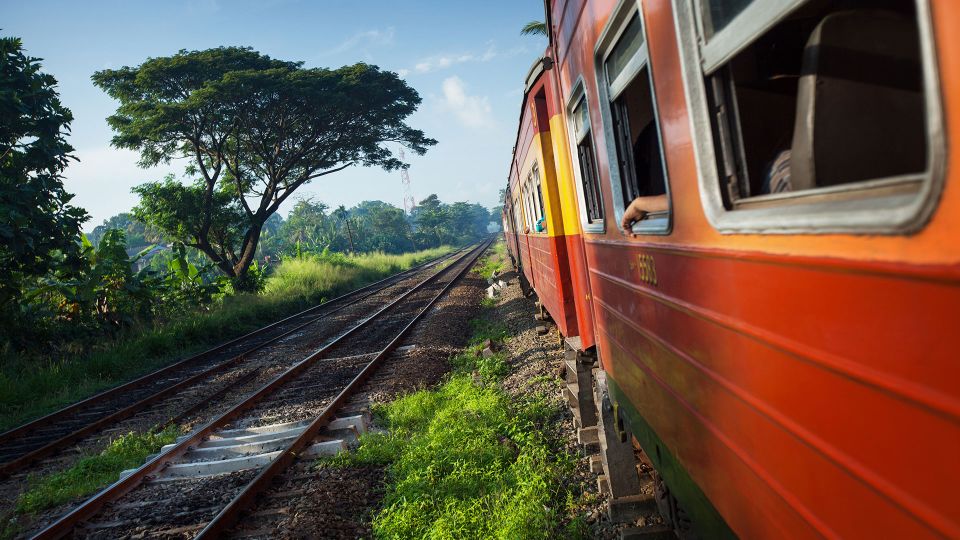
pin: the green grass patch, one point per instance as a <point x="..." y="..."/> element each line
<point x="468" y="460"/>
<point x="465" y="461"/>
<point x="93" y="472"/>
<point x="485" y="329"/>
<point x="32" y="386"/>
<point x="493" y="261"/>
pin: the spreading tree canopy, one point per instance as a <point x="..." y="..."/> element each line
<point x="254" y="129"/>
<point x="39" y="230"/>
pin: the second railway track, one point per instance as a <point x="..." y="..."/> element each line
<point x="48" y="435"/>
<point x="202" y="484"/>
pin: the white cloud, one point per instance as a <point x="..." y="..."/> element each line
<point x="363" y="39"/>
<point x="443" y="61"/>
<point x="403" y="73"/>
<point x="472" y="111"/>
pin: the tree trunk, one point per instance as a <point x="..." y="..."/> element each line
<point x="242" y="280"/>
<point x="224" y="265"/>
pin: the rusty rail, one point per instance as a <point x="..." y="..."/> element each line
<point x="65" y="524"/>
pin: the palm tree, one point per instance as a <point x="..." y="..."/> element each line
<point x="534" y="28"/>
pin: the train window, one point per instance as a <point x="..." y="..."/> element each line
<point x="528" y="207"/>
<point x="518" y="215"/>
<point x="819" y="116"/>
<point x="626" y="84"/>
<point x="535" y="201"/>
<point x="535" y="174"/>
<point x="589" y="185"/>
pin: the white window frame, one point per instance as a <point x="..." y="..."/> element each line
<point x="576" y="96"/>
<point x="518" y="212"/>
<point x="659" y="223"/>
<point x="755" y="19"/>
<point x="536" y="182"/>
<point x="867" y="207"/>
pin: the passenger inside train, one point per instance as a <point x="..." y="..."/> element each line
<point x="832" y="96"/>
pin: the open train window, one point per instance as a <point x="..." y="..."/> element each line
<point x="815" y="115"/>
<point x="518" y="214"/>
<point x="630" y="117"/>
<point x="589" y="184"/>
<point x="536" y="201"/>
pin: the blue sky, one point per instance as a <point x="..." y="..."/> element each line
<point x="466" y="59"/>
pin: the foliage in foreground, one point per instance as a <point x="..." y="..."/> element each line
<point x="467" y="460"/>
<point x="38" y="227"/>
<point x="32" y="386"/>
<point x="93" y="472"/>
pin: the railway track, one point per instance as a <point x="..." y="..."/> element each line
<point x="48" y="435"/>
<point x="202" y="484"/>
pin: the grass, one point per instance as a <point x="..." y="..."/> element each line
<point x="465" y="462"/>
<point x="92" y="472"/>
<point x="494" y="261"/>
<point x="31" y="387"/>
<point x="468" y="460"/>
<point x="85" y="477"/>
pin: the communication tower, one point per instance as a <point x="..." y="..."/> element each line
<point x="408" y="202"/>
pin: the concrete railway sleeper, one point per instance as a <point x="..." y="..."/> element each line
<point x="38" y="439"/>
<point x="627" y="477"/>
<point x="242" y="449"/>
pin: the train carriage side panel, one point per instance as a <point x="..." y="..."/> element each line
<point x="778" y="373"/>
<point x="546" y="263"/>
<point x="556" y="268"/>
<point x="570" y="215"/>
<point x="520" y="198"/>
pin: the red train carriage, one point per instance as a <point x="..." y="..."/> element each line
<point x="779" y="331"/>
<point x="543" y="240"/>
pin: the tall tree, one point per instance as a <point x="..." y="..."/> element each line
<point x="430" y="219"/>
<point x="307" y="225"/>
<point x="255" y="130"/>
<point x="387" y="227"/>
<point x="39" y="229"/>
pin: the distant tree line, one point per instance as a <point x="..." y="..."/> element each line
<point x="313" y="227"/>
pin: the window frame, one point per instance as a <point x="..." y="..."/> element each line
<point x="518" y="211"/>
<point x="536" y="182"/>
<point x="659" y="223"/>
<point x="578" y="95"/>
<point x="755" y="19"/>
<point x="534" y="199"/>
<point x="849" y="208"/>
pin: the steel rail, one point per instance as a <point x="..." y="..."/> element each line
<point x="9" y="467"/>
<point x="65" y="524"/>
<point x="232" y="513"/>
